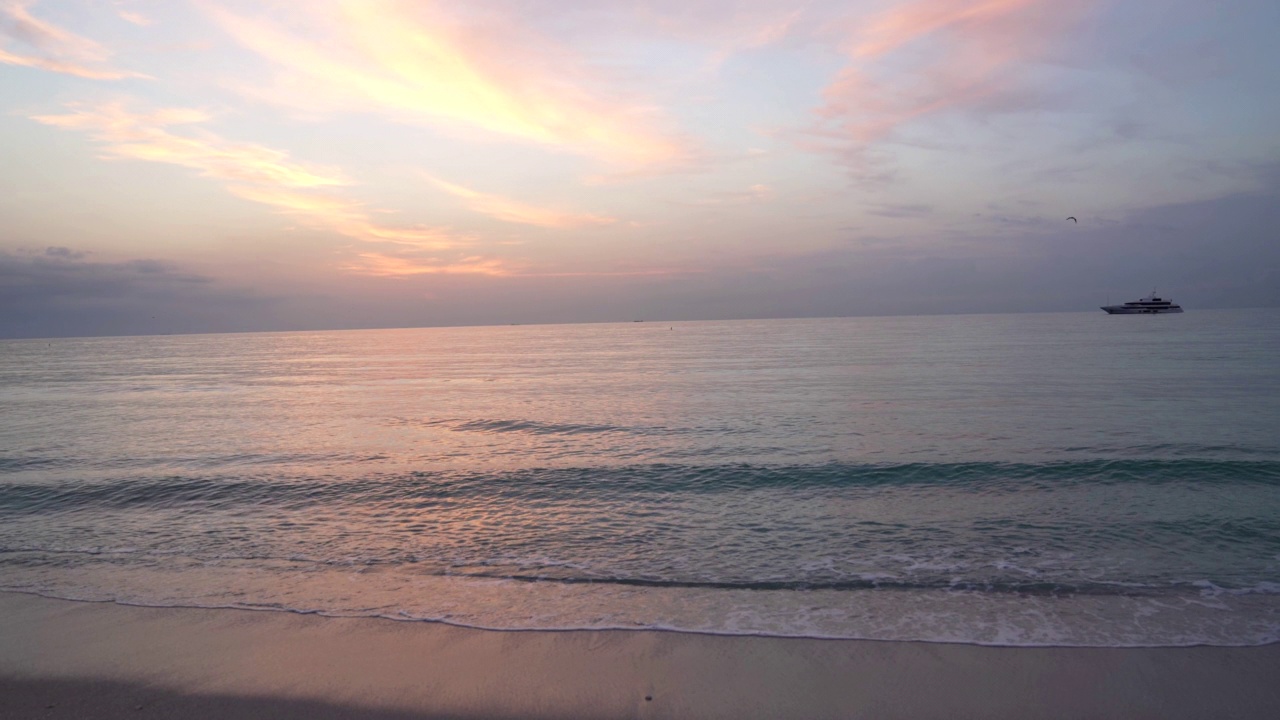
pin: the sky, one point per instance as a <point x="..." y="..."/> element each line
<point x="186" y="166"/>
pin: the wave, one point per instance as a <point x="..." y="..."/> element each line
<point x="536" y="427"/>
<point x="949" y="617"/>
<point x="569" y="574"/>
<point x="549" y="483"/>
<point x="37" y="463"/>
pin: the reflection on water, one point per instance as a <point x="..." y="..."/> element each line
<point x="1006" y="479"/>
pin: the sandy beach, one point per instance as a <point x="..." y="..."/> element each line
<point x="74" y="659"/>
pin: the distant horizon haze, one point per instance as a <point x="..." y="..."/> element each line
<point x="655" y="322"/>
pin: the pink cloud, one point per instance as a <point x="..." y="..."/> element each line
<point x="51" y="47"/>
<point x="132" y="16"/>
<point x="929" y="57"/>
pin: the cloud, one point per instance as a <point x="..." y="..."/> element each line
<point x="930" y="57"/>
<point x="517" y="212"/>
<point x="723" y="29"/>
<point x="1214" y="253"/>
<point x="384" y="265"/>
<point x="136" y="18"/>
<point x="901" y="210"/>
<point x="57" y="293"/>
<point x="755" y="194"/>
<point x="394" y="251"/>
<point x="64" y="252"/>
<point x="401" y="250"/>
<point x="144" y="136"/>
<point x="262" y="175"/>
<point x="132" y="16"/>
<point x="757" y="33"/>
<point x="51" y="47"/>
<point x="910" y="21"/>
<point x="345" y="217"/>
<point x="429" y="63"/>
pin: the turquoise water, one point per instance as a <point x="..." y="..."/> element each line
<point x="1057" y="479"/>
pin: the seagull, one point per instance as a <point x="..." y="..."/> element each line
<point x="1072" y="219"/>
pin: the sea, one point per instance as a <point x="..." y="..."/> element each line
<point x="1071" y="479"/>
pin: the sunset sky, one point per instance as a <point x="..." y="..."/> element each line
<point x="216" y="165"/>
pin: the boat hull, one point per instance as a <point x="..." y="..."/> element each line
<point x="1122" y="310"/>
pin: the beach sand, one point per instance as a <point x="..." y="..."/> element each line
<point x="61" y="659"/>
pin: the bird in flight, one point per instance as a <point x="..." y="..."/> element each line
<point x="1072" y="219"/>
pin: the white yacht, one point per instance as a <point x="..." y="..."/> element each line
<point x="1148" y="305"/>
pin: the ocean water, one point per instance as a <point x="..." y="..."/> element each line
<point x="1052" y="479"/>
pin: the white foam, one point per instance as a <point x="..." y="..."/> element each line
<point x="955" y="616"/>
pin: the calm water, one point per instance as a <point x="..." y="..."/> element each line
<point x="1070" y="479"/>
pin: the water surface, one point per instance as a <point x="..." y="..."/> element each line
<point x="1057" y="479"/>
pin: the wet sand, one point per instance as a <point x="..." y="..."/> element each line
<point x="61" y="659"/>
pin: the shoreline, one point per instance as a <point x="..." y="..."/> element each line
<point x="64" y="658"/>
<point x="621" y="629"/>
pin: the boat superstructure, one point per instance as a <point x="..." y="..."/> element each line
<point x="1149" y="305"/>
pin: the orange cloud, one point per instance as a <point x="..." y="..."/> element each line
<point x="347" y="218"/>
<point x="380" y="265"/>
<point x="144" y="136"/>
<point x="336" y="211"/>
<point x="269" y="177"/>
<point x="517" y="212"/>
<point x="55" y="49"/>
<point x="419" y="62"/>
